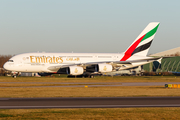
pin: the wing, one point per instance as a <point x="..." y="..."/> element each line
<point x="113" y="63"/>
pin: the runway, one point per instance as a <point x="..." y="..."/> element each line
<point x="88" y="102"/>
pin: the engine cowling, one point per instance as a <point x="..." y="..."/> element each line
<point x="105" y="68"/>
<point x="99" y="68"/>
<point x="75" y="70"/>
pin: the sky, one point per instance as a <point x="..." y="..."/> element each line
<point x="92" y="26"/>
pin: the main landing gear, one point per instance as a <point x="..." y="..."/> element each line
<point x="14" y="76"/>
<point x="81" y="76"/>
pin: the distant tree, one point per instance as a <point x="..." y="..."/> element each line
<point x="175" y="54"/>
<point x="3" y="59"/>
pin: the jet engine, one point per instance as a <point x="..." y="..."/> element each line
<point x="105" y="68"/>
<point x="99" y="68"/>
<point x="75" y="70"/>
<point x="71" y="70"/>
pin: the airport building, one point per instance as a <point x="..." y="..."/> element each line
<point x="166" y="64"/>
<point x="171" y="52"/>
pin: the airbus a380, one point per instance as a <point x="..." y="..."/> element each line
<point x="87" y="63"/>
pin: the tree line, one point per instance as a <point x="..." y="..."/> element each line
<point x="173" y="55"/>
<point x="3" y="59"/>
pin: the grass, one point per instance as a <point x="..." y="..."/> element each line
<point x="95" y="114"/>
<point x="41" y="85"/>
<point x="89" y="92"/>
<point x="96" y="79"/>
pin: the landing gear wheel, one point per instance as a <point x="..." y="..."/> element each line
<point x="14" y="76"/>
<point x="91" y="76"/>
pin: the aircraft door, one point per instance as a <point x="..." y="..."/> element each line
<point x="95" y="57"/>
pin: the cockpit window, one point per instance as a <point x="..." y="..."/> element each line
<point x="10" y="61"/>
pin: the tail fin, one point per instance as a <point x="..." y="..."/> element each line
<point x="143" y="42"/>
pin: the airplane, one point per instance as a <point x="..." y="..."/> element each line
<point x="87" y="63"/>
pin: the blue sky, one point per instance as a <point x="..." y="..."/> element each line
<point x="85" y="26"/>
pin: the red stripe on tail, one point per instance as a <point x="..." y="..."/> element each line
<point x="129" y="52"/>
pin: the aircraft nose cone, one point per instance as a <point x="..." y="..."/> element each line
<point x="6" y="66"/>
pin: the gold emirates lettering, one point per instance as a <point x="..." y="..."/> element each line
<point x="44" y="59"/>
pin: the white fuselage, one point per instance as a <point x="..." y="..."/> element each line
<point x="40" y="62"/>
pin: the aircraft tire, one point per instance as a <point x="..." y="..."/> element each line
<point x="91" y="76"/>
<point x="14" y="76"/>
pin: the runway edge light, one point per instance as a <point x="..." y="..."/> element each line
<point x="175" y="86"/>
<point x="172" y="85"/>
